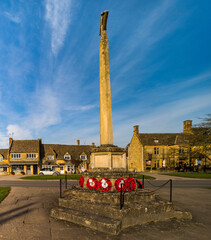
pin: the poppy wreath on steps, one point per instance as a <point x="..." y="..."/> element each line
<point x="139" y="184"/>
<point x="92" y="183"/>
<point x="118" y="183"/>
<point x="81" y="181"/>
<point x="105" y="185"/>
<point x="130" y="184"/>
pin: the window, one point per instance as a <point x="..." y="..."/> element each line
<point x="17" y="168"/>
<point x="31" y="155"/>
<point x="81" y="167"/>
<point x="156" y="150"/>
<point x="50" y="157"/>
<point x="157" y="164"/>
<point x="16" y="155"/>
<point x="67" y="157"/>
<point x="1" y="159"/>
<point x="47" y="167"/>
<point x="71" y="168"/>
<point x="3" y="169"/>
<point x="83" y="157"/>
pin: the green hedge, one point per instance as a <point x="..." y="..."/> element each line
<point x="189" y="175"/>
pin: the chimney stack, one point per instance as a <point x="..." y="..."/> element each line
<point x="93" y="144"/>
<point x="187" y="126"/>
<point x="10" y="141"/>
<point x="78" y="142"/>
<point x="136" y="129"/>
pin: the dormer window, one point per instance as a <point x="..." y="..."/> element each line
<point x="50" y="157"/>
<point x="156" y="141"/>
<point x="67" y="157"/>
<point x="1" y="158"/>
<point x="83" y="157"/>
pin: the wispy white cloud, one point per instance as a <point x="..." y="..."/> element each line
<point x="150" y="30"/>
<point x="177" y="86"/>
<point x="4" y="142"/>
<point x="166" y="117"/>
<point x="12" y="17"/>
<point x="19" y="132"/>
<point x="44" y="110"/>
<point x="58" y="16"/>
<point x="80" y="108"/>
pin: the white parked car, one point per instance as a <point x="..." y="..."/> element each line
<point x="46" y="171"/>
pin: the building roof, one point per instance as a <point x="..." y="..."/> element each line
<point x="201" y="130"/>
<point x="163" y="139"/>
<point x="60" y="150"/>
<point x="25" y="146"/>
<point x="4" y="152"/>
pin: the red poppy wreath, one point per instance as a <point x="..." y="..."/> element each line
<point x="118" y="183"/>
<point x="131" y="184"/>
<point x="92" y="184"/>
<point x="104" y="185"/>
<point x="81" y="181"/>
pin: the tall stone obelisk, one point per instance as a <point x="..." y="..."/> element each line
<point x="106" y="129"/>
<point x="106" y="157"/>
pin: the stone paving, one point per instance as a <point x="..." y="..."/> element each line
<point x="24" y="215"/>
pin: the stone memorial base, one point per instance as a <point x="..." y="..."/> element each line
<point x="101" y="211"/>
<point x="108" y="157"/>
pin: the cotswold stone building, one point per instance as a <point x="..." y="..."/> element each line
<point x="66" y="158"/>
<point x="29" y="156"/>
<point x="4" y="161"/>
<point x="152" y="151"/>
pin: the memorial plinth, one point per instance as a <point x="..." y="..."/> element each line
<point x="101" y="210"/>
<point x="108" y="157"/>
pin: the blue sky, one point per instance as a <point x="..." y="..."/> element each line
<point x="160" y="65"/>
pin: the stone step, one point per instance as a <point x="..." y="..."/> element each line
<point x="103" y="209"/>
<point x="113" y="211"/>
<point x="138" y="219"/>
<point x="135" y="216"/>
<point x="110" y="197"/>
<point x="99" y="223"/>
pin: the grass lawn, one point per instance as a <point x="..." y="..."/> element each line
<point x="4" y="191"/>
<point x="145" y="177"/>
<point x="189" y="175"/>
<point x="51" y="177"/>
<point x="73" y="176"/>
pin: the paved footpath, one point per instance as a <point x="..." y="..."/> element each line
<point x="24" y="215"/>
<point x="174" y="178"/>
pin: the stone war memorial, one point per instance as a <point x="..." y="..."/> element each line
<point x="107" y="198"/>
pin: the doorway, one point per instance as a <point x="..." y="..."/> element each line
<point x="34" y="169"/>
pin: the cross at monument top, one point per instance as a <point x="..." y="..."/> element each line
<point x="103" y="21"/>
